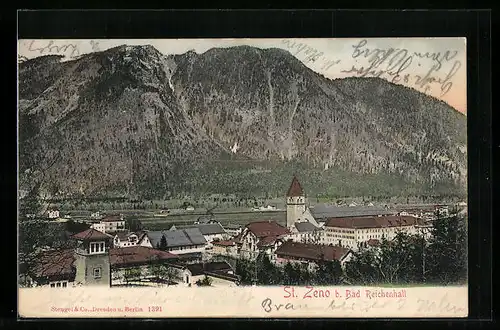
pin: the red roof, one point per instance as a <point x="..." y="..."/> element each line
<point x="91" y="235"/>
<point x="373" y="222"/>
<point x="313" y="252"/>
<point x="267" y="241"/>
<point x="112" y="218"/>
<point x="55" y="263"/>
<point x="267" y="228"/>
<point x="224" y="243"/>
<point x="295" y="189"/>
<point x="373" y="242"/>
<point x="137" y="255"/>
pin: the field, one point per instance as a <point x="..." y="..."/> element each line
<point x="240" y="218"/>
<point x="152" y="222"/>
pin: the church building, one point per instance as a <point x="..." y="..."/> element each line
<point x="299" y="219"/>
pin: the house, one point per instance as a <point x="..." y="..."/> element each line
<point x="179" y="241"/>
<point x="352" y="231"/>
<point x="261" y="236"/>
<point x="442" y="210"/>
<point x="96" y="215"/>
<point x="306" y="232"/>
<point x="212" y="231"/>
<point x="267" y="208"/>
<point x="311" y="254"/>
<point x="53" y="213"/>
<point x="100" y="226"/>
<point x="126" y="239"/>
<point x="233" y="230"/>
<point x="220" y="273"/>
<point x="53" y="269"/>
<point x="205" y="219"/>
<point x="113" y="223"/>
<point x="225" y="248"/>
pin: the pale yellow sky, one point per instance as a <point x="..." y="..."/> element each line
<point x="436" y="66"/>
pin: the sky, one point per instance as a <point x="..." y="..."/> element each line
<point x="435" y="66"/>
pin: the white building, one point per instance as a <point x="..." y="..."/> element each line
<point x="181" y="241"/>
<point x="113" y="223"/>
<point x="127" y="239"/>
<point x="96" y="215"/>
<point x="306" y="232"/>
<point x="225" y="248"/>
<point x="354" y="231"/>
<point x="53" y="213"/>
<point x="212" y="232"/>
<point x="233" y="230"/>
<point x="99" y="226"/>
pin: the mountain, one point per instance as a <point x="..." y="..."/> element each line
<point x="130" y="121"/>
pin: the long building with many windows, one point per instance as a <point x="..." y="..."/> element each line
<point x="353" y="232"/>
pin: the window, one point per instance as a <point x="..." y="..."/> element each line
<point x="58" y="284"/>
<point x="65" y="284"/>
<point x="52" y="285"/>
<point x="97" y="272"/>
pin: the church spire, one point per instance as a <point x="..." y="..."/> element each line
<point x="295" y="189"/>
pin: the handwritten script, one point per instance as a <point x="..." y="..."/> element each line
<point x="310" y="54"/>
<point x="70" y="50"/>
<point x="422" y="70"/>
<point x="395" y="64"/>
<point x="440" y="306"/>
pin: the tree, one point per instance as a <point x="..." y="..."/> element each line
<point x="162" y="272"/>
<point x="292" y="274"/>
<point x="394" y="262"/>
<point x="267" y="272"/>
<point x="362" y="269"/>
<point x="163" y="243"/>
<point x="30" y="204"/>
<point x="134" y="224"/>
<point x="36" y="236"/>
<point x="131" y="275"/>
<point x="206" y="281"/>
<point x="328" y="273"/>
<point x="246" y="270"/>
<point x="447" y="251"/>
<point x="76" y="227"/>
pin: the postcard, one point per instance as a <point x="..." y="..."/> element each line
<point x="263" y="178"/>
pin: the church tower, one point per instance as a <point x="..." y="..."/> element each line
<point x="295" y="203"/>
<point x="92" y="258"/>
